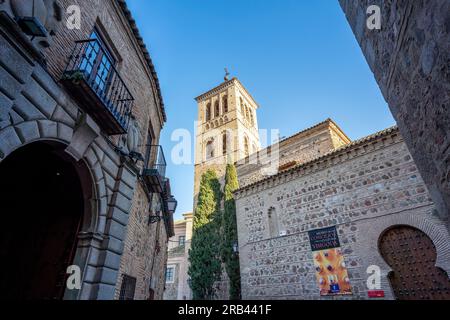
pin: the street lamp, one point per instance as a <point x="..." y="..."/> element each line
<point x="172" y="204"/>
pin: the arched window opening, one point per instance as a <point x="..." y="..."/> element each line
<point x="242" y="107"/>
<point x="252" y="119"/>
<point x="208" y="112"/>
<point x="274" y="229"/>
<point x="246" y="147"/>
<point x="216" y="109"/>
<point x="224" y="144"/>
<point x="247" y="113"/>
<point x="225" y="104"/>
<point x="210" y="149"/>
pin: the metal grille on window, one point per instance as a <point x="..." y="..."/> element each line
<point x="128" y="288"/>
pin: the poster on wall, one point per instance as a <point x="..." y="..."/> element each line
<point x="331" y="271"/>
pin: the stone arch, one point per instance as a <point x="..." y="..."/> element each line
<point x="404" y="247"/>
<point x="29" y="132"/>
<point x="420" y="219"/>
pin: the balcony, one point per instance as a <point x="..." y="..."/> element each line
<point x="154" y="172"/>
<point x="96" y="85"/>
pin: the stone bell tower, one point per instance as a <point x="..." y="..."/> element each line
<point x="227" y="129"/>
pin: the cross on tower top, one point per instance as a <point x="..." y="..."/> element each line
<point x="227" y="75"/>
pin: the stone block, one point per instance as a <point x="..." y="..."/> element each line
<point x="84" y="135"/>
<point x="60" y="115"/>
<point x="27" y="110"/>
<point x="108" y="276"/>
<point x="28" y="131"/>
<point x="122" y="202"/>
<point x="48" y="129"/>
<point x="120" y="216"/>
<point x="16" y="63"/>
<point x="105" y="292"/>
<point x="111" y="260"/>
<point x="9" y="141"/>
<point x="39" y="97"/>
<point x="9" y="85"/>
<point x="116" y="230"/>
<point x="5" y="108"/>
<point x="65" y="133"/>
<point x="45" y="80"/>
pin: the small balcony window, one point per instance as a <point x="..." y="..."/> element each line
<point x="92" y="80"/>
<point x="154" y="172"/>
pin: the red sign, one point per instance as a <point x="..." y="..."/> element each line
<point x="376" y="294"/>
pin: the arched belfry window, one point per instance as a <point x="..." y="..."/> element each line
<point x="242" y="107"/>
<point x="246" y="147"/>
<point x="210" y="149"/>
<point x="224" y="143"/>
<point x="225" y="104"/>
<point x="252" y="119"/>
<point x="216" y="109"/>
<point x="274" y="229"/>
<point x="247" y="116"/>
<point x="208" y="112"/>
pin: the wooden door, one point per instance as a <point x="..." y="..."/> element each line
<point x="412" y="256"/>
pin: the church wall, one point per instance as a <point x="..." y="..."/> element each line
<point x="362" y="191"/>
<point x="300" y="148"/>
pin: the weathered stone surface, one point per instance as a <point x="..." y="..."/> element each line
<point x="363" y="190"/>
<point x="410" y="60"/>
<point x="33" y="101"/>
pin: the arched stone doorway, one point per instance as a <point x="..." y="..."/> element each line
<point x="412" y="256"/>
<point x="43" y="205"/>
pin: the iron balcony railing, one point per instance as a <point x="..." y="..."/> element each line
<point x="154" y="171"/>
<point x="91" y="68"/>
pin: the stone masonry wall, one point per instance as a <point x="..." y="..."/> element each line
<point x="141" y="258"/>
<point x="410" y="59"/>
<point x="300" y="148"/>
<point x="34" y="107"/>
<point x="362" y="190"/>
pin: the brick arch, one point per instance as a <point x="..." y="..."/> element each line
<point x="437" y="232"/>
<point x="419" y="218"/>
<point x="27" y="132"/>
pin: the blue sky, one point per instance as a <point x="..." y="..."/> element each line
<point x="299" y="59"/>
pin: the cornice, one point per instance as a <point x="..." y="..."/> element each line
<point x="225" y="85"/>
<point x="353" y="150"/>
<point x="123" y="5"/>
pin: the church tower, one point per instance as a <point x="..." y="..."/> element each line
<point x="227" y="129"/>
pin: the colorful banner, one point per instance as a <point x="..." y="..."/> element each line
<point x="331" y="271"/>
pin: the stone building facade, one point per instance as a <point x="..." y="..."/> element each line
<point x="301" y="147"/>
<point x="227" y="131"/>
<point x="409" y="57"/>
<point x="177" y="279"/>
<point x="83" y="105"/>
<point x="372" y="194"/>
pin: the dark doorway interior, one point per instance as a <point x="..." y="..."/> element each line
<point x="42" y="209"/>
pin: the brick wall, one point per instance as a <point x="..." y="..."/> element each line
<point x="114" y="27"/>
<point x="362" y="190"/>
<point x="36" y="107"/>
